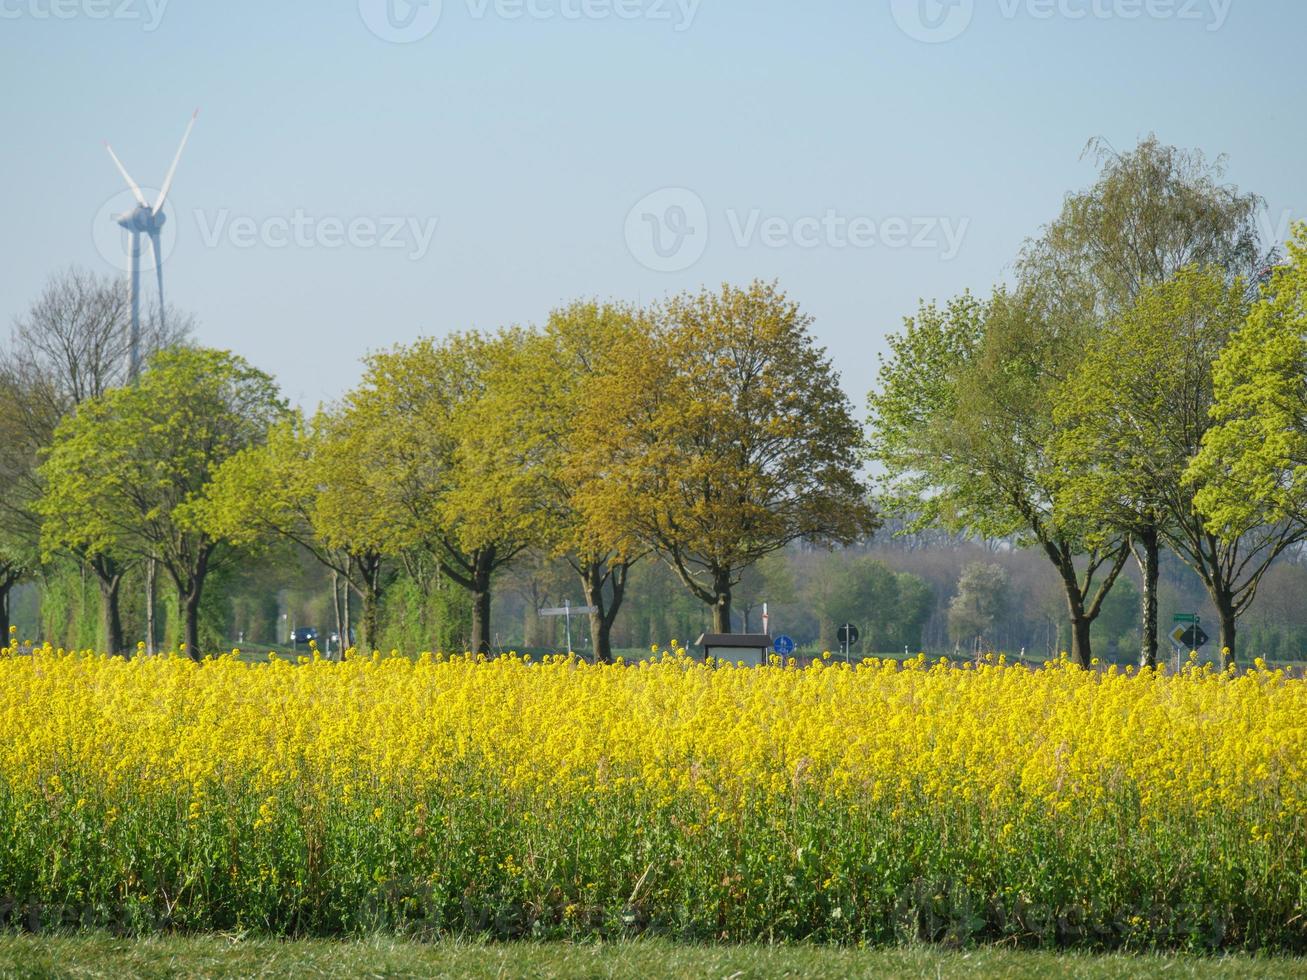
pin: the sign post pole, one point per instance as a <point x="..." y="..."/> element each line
<point x="567" y="620"/>
<point x="565" y="612"/>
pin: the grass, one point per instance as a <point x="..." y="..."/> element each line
<point x="229" y="956"/>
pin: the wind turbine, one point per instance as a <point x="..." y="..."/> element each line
<point x="146" y="220"/>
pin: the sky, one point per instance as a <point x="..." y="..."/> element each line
<point x="366" y="172"/>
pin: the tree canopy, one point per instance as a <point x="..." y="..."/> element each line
<point x="130" y="470"/>
<point x="730" y="438"/>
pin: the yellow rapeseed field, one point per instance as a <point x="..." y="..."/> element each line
<point x="867" y="803"/>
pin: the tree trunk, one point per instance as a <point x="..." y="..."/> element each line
<point x="190" y="612"/>
<point x="6" y="587"/>
<point x="335" y="608"/>
<point x="721" y="610"/>
<point x="370" y="570"/>
<point x="151" y="590"/>
<point x="483" y="566"/>
<point x="601" y="622"/>
<point x="481" y="618"/>
<point x="111" y="619"/>
<point x="190" y="590"/>
<point x="1082" y="612"/>
<point x="1229" y="627"/>
<point x="601" y="641"/>
<point x="1147" y="557"/>
<point x="346" y="641"/>
<point x="1081" y="652"/>
<point x="371" y="616"/>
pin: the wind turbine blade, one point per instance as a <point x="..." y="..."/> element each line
<point x="167" y="181"/>
<point x="126" y="176"/>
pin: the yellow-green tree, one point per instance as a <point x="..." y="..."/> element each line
<point x="1250" y="477"/>
<point x="130" y="470"/>
<point x="719" y="434"/>
<point x="528" y="439"/>
<point x="412" y="482"/>
<point x="290" y="488"/>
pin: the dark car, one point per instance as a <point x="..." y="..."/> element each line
<point x="304" y="636"/>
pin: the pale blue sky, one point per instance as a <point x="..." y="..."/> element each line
<point x="803" y="130"/>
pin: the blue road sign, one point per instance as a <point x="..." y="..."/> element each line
<point x="783" y="645"/>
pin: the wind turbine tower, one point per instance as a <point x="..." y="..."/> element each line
<point x="147" y="220"/>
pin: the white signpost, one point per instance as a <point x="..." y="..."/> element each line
<point x="566" y="610"/>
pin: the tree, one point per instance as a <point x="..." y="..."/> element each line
<point x="1152" y="212"/>
<point x="18" y="558"/>
<point x="295" y="487"/>
<point x="981" y="600"/>
<point x="130" y="471"/>
<point x="720" y="434"/>
<point x="70" y="347"/>
<point x="962" y="424"/>
<point x="414" y="483"/>
<point x="1138" y="418"/>
<point x="527" y="436"/>
<point x="888" y="608"/>
<point x="1249" y="478"/>
<point x="13" y="568"/>
<point x="1120" y="615"/>
<point x="768" y="581"/>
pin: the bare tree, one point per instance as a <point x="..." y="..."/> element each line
<point x="71" y="346"/>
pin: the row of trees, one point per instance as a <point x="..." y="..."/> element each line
<point x="1137" y="389"/>
<point x="709" y="431"/>
<point x="1139" y="386"/>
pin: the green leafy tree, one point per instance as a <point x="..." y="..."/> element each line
<point x="962" y="425"/>
<point x="1136" y="418"/>
<point x="1152" y="212"/>
<point x="416" y="486"/>
<point x="982" y="599"/>
<point x="721" y="434"/>
<point x="129" y="472"/>
<point x="69" y="347"/>
<point x="888" y="608"/>
<point x="1130" y="413"/>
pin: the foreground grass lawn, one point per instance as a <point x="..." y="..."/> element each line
<point x="224" y="956"/>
